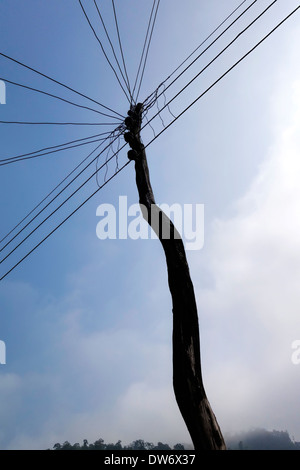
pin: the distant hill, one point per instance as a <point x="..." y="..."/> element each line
<point x="261" y="439"/>
<point x="255" y="439"/>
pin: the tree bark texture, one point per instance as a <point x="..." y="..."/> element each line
<point x="187" y="376"/>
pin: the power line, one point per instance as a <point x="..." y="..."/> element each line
<point x="65" y="220"/>
<point x="144" y="47"/>
<point x="43" y="221"/>
<point x="156" y="95"/>
<point x="147" y="52"/>
<point x="121" y="48"/>
<point x="59" y="83"/>
<point x="57" y="97"/>
<point x="190" y="54"/>
<point x="53" y="212"/>
<point x="150" y="95"/>
<point x="154" y="116"/>
<point x="61" y="123"/>
<point x="105" y="55"/>
<point x="44" y="199"/>
<point x="213" y="60"/>
<point x="53" y="147"/>
<point x="163" y="130"/>
<point x="56" y="196"/>
<point x="224" y="74"/>
<point x="112" y="48"/>
<point x="211" y="34"/>
<point x="197" y="48"/>
<point x="19" y="159"/>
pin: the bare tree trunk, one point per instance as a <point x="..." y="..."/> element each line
<point x="187" y="377"/>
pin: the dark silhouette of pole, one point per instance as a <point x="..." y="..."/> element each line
<point x="187" y="377"/>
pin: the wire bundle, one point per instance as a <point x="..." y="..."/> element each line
<point x="106" y="140"/>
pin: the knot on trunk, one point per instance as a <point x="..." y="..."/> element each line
<point x="133" y="123"/>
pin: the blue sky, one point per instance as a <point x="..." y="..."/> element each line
<point x="87" y="323"/>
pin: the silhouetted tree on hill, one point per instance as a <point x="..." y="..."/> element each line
<point x="139" y="444"/>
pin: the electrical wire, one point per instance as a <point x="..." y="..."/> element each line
<point x="211" y="34"/>
<point x="147" y="52"/>
<point x="224" y="74"/>
<point x="155" y="93"/>
<point x="105" y="55"/>
<point x="61" y="123"/>
<point x="16" y="160"/>
<point x="58" y="98"/>
<point x="54" y="211"/>
<point x="113" y="49"/>
<point x="65" y="220"/>
<point x="158" y="113"/>
<point x="163" y="130"/>
<point x="59" y="83"/>
<point x="183" y="61"/>
<point x="56" y="196"/>
<point x="121" y="49"/>
<point x="214" y="59"/>
<point x="43" y="200"/>
<point x="144" y="46"/>
<point x="53" y="147"/>
<point x="85" y="159"/>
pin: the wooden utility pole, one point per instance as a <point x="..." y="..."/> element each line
<point x="187" y="377"/>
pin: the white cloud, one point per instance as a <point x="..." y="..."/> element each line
<point x="10" y="401"/>
<point x="113" y="384"/>
<point x="9" y="387"/>
<point x="148" y="410"/>
<point x="125" y="376"/>
<point x="251" y="313"/>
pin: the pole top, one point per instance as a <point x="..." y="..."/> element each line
<point x="133" y="123"/>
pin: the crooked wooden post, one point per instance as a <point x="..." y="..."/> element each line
<point x="187" y="377"/>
